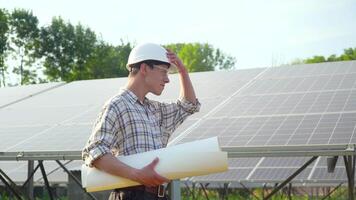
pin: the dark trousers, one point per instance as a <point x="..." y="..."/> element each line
<point x="134" y="194"/>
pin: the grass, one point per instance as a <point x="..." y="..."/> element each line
<point x="233" y="194"/>
<point x="238" y="194"/>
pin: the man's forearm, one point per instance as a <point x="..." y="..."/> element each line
<point x="187" y="90"/>
<point x="146" y="176"/>
<point x="112" y="165"/>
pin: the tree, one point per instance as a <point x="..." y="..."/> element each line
<point x="57" y="47"/>
<point x="84" y="42"/>
<point x="4" y="28"/>
<point x="108" y="61"/>
<point x="349" y="54"/>
<point x="332" y="58"/>
<point x="24" y="35"/>
<point x="202" y="57"/>
<point x="66" y="50"/>
<point x="315" y="59"/>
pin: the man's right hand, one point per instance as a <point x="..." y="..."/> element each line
<point x="148" y="176"/>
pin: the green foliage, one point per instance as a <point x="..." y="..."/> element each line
<point x="4" y="29"/>
<point x="57" y="47"/>
<point x="67" y="52"/>
<point x="202" y="57"/>
<point x="349" y="54"/>
<point x="315" y="59"/>
<point x="24" y="34"/>
<point x="242" y="194"/>
<point x="84" y="44"/>
<point x="108" y="61"/>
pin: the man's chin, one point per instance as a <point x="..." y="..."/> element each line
<point x="157" y="93"/>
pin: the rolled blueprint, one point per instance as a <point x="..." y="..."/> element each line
<point x="195" y="158"/>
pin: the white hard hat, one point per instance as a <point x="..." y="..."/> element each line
<point x="147" y="51"/>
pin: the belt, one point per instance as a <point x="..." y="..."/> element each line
<point x="157" y="190"/>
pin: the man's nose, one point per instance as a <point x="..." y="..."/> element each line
<point x="166" y="79"/>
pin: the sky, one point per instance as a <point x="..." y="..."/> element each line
<point x="258" y="33"/>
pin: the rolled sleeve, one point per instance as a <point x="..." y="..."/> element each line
<point x="91" y="154"/>
<point x="188" y="106"/>
<point x="103" y="137"/>
<point x="173" y="114"/>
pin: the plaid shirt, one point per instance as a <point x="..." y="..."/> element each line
<point x="126" y="126"/>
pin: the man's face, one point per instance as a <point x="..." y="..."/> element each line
<point x="157" y="78"/>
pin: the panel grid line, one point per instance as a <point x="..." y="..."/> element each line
<point x="260" y="128"/>
<point x="300" y="92"/>
<point x="338" y="120"/>
<point x="323" y="113"/>
<point x="235" y="136"/>
<point x="50" y="128"/>
<point x="255" y="168"/>
<point x="313" y="169"/>
<point x="214" y="110"/>
<point x="274" y="132"/>
<point x="31" y="95"/>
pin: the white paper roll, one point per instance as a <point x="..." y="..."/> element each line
<point x="189" y="159"/>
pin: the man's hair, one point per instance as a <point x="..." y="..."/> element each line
<point x="134" y="68"/>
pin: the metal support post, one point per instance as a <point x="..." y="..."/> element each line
<point x="44" y="175"/>
<point x="31" y="175"/>
<point x="249" y="191"/>
<point x="174" y="190"/>
<point x="193" y="190"/>
<point x="290" y="191"/>
<point x="263" y="190"/>
<point x="3" y="178"/>
<point x="75" y="179"/>
<point x="30" y="170"/>
<point x="226" y="190"/>
<point x="280" y="186"/>
<point x="350" y="171"/>
<point x="204" y="190"/>
<point x="333" y="190"/>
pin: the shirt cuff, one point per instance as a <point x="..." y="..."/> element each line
<point x="189" y="106"/>
<point x="89" y="156"/>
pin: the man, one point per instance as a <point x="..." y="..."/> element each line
<point x="130" y="123"/>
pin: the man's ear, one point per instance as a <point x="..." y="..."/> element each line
<point x="143" y="68"/>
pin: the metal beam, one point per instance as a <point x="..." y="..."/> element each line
<point x="290" y="151"/>
<point x="175" y="190"/>
<point x="233" y="152"/>
<point x="44" y="175"/>
<point x="30" y="172"/>
<point x="280" y="186"/>
<point x="31" y="175"/>
<point x="204" y="190"/>
<point x="249" y="191"/>
<point x="41" y="155"/>
<point x="75" y="179"/>
<point x="333" y="190"/>
<point x="289" y="147"/>
<point x="350" y="171"/>
<point x="289" y="192"/>
<point x="3" y="178"/>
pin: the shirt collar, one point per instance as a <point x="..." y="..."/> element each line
<point x="132" y="96"/>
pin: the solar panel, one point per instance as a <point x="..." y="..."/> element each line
<point x="12" y="94"/>
<point x="10" y="136"/>
<point x="292" y="105"/>
<point x="17" y="170"/>
<point x="61" y="119"/>
<point x="56" y="139"/>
